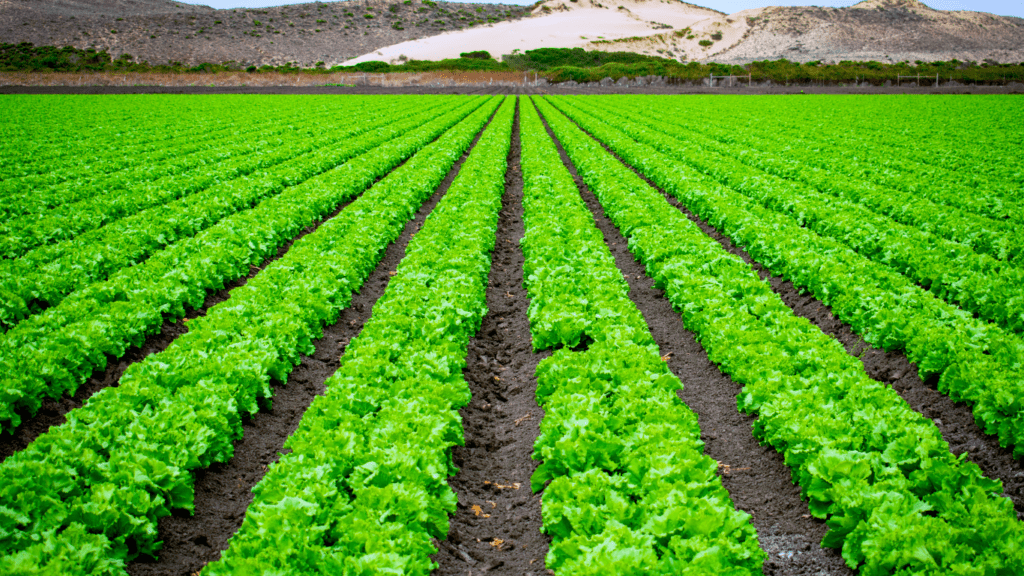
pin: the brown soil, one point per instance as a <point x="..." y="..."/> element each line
<point x="755" y="476"/>
<point x="224" y="490"/>
<point x="955" y="420"/>
<point x="53" y="412"/>
<point x="503" y="535"/>
<point x="162" y="32"/>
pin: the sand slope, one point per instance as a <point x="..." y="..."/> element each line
<point x="882" y="30"/>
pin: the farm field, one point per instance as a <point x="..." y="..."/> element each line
<point x="407" y="334"/>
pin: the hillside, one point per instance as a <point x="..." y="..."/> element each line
<point x="163" y="31"/>
<point x="882" y="30"/>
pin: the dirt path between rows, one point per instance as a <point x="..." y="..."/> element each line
<point x="223" y="491"/>
<point x="756" y="476"/>
<point x="496" y="528"/>
<point x="54" y="412"/>
<point x="955" y="420"/>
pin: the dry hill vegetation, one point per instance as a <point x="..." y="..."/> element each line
<point x="162" y="31"/>
<point x="880" y="30"/>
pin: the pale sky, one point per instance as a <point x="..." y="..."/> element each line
<point x="1001" y="7"/>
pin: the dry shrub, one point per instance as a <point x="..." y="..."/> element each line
<point x="263" y="79"/>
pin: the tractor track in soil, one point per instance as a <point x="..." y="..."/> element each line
<point x="496" y="527"/>
<point x="756" y="476"/>
<point x="224" y="490"/>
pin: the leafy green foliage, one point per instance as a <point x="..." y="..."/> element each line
<point x="106" y="318"/>
<point x="628" y="489"/>
<point x="363" y="488"/>
<point x="895" y="499"/>
<point x="978" y="283"/>
<point x="123" y="461"/>
<point x="977" y="362"/>
<point x="127" y="228"/>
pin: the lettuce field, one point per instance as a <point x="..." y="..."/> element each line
<point x="579" y="335"/>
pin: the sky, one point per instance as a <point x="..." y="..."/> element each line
<point x="1001" y="7"/>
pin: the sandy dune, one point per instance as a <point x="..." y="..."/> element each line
<point x="566" y="24"/>
<point x="884" y="30"/>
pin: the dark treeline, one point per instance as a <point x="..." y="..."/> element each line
<point x="555" y="64"/>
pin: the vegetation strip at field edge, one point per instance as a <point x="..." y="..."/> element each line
<point x="873" y="486"/>
<point x="224" y="492"/>
<point x="364" y="484"/>
<point x="973" y="360"/>
<point x="755" y="476"/>
<point x="45" y="276"/>
<point x="496" y="526"/>
<point x="102" y="322"/>
<point x="622" y="454"/>
<point x="191" y="396"/>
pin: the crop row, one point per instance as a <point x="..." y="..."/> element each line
<point x="45" y="276"/>
<point x="913" y="145"/>
<point x="86" y="495"/>
<point x="55" y="351"/>
<point x="948" y="213"/>
<point x="82" y="131"/>
<point x="242" y="156"/>
<point x="630" y="491"/>
<point x="27" y="198"/>
<point x="976" y="282"/>
<point x="895" y="498"/>
<point x="978" y="362"/>
<point x="363" y="490"/>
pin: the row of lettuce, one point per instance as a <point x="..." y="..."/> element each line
<point x="979" y="283"/>
<point x="109" y="189"/>
<point x="71" y="246"/>
<point x="894" y="497"/>
<point x="915" y="144"/>
<point x="86" y="495"/>
<point x="52" y="161"/>
<point x="363" y="488"/>
<point x="47" y="137"/>
<point x="975" y="361"/>
<point x="628" y="488"/>
<point x="931" y="199"/>
<point x="52" y="352"/>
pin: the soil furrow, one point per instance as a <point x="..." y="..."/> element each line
<point x="224" y="490"/>
<point x="954" y="419"/>
<point x="496" y="528"/>
<point x="53" y="412"/>
<point x="755" y="476"/>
